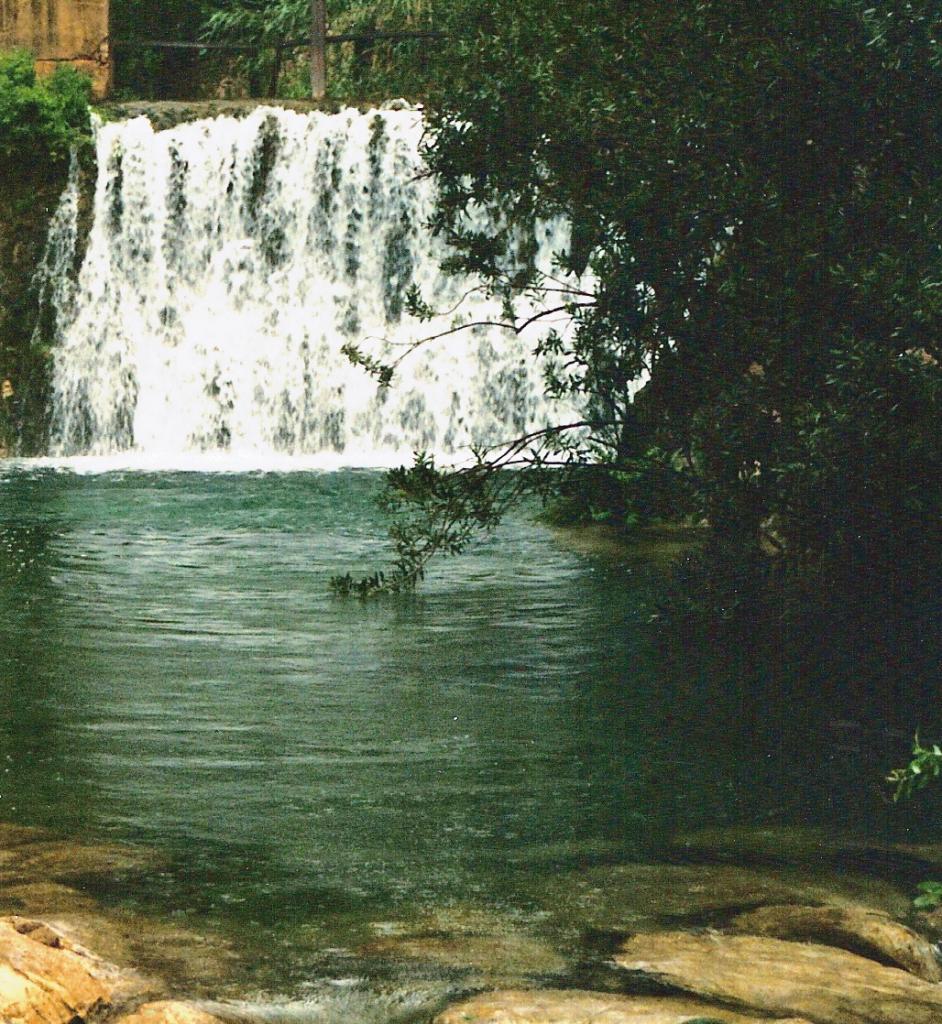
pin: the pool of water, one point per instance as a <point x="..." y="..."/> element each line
<point x="175" y="674"/>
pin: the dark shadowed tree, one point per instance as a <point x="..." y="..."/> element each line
<point x="756" y="193"/>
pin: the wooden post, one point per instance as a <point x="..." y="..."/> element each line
<point x="318" y="49"/>
<point x="276" y="70"/>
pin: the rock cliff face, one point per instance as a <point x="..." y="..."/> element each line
<point x="73" y="31"/>
<point x="26" y="207"/>
<point x="28" y="202"/>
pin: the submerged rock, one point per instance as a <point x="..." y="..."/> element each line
<point x="778" y="978"/>
<point x="169" y="1013"/>
<point x="870" y="933"/>
<point x="16" y="835"/>
<point x="58" y="860"/>
<point x="452" y="920"/>
<point x="488" y="947"/>
<point x="796" y="845"/>
<point x="570" y="1007"/>
<point x="46" y="979"/>
<point x="36" y="867"/>
<point x="649" y="897"/>
<point x="173" y="957"/>
<point x="40" y="899"/>
<point x="492" y="955"/>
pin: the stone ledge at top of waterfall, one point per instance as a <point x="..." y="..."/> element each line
<point x="165" y="114"/>
<point x="230" y="266"/>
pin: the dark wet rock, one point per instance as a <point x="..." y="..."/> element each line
<point x="47" y="979"/>
<point x="792" y="845"/>
<point x="649" y="897"/>
<point x="571" y="1007"/>
<point x="925" y="854"/>
<point x="929" y="922"/>
<point x="778" y="978"/>
<point x="870" y="933"/>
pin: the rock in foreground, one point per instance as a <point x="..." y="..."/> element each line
<point x="169" y="1013"/>
<point x="44" y="979"/>
<point x="770" y="976"/>
<point x="172" y="956"/>
<point x="867" y="932"/>
<point x="569" y="1007"/>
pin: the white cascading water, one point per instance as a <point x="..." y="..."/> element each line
<point x="229" y="261"/>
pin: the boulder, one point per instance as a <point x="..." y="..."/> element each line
<point x="46" y="979"/>
<point x="169" y="1013"/>
<point x="778" y="978"/>
<point x="651" y="897"/>
<point x="572" y="1007"/>
<point x="870" y="933"/>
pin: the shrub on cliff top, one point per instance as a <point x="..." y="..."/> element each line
<point x="40" y="120"/>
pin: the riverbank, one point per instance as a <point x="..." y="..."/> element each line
<point x="659" y="546"/>
<point x="734" y="926"/>
<point x="27" y="204"/>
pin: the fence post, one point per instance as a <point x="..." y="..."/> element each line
<point x="318" y="49"/>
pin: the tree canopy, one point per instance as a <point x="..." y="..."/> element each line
<point x="756" y="193"/>
<point x="40" y="121"/>
<point x="358" y="70"/>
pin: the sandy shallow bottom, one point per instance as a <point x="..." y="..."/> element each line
<point x="411" y="968"/>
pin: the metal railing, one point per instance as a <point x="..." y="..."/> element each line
<point x="317" y="44"/>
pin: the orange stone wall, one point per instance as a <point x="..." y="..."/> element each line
<point x="61" y="31"/>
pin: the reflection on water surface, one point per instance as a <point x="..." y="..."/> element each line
<point x="311" y="773"/>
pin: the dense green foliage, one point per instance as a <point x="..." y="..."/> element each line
<point x="40" y="120"/>
<point x="357" y="70"/>
<point x="924" y="767"/>
<point x="757" y="194"/>
<point x="143" y="72"/>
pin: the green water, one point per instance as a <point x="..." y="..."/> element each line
<point x="175" y="675"/>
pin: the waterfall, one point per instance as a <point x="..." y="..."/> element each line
<point x="229" y="260"/>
